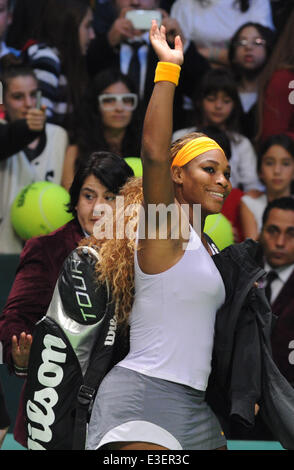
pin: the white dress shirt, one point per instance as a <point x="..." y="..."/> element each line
<point x="126" y="53"/>
<point x="284" y="274"/>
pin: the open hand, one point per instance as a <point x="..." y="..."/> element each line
<point x="162" y="48"/>
<point x="21" y="349"/>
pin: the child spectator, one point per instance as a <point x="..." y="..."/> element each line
<point x="276" y="170"/>
<point x="218" y="104"/>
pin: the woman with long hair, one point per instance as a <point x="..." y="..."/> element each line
<point x="276" y="171"/>
<point x="58" y="56"/>
<point x="276" y="98"/>
<point x="108" y="120"/>
<point x="249" y="51"/>
<point x="155" y="397"/>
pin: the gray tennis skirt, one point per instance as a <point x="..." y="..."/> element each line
<point x="130" y="406"/>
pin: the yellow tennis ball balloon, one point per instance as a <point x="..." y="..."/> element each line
<point x="39" y="208"/>
<point x="136" y="164"/>
<point x="219" y="229"/>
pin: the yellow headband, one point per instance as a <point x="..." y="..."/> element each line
<point x="194" y="148"/>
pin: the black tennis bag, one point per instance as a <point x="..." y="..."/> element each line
<point x="73" y="347"/>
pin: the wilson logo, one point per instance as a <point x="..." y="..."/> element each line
<point x="40" y="410"/>
<point x="109" y="341"/>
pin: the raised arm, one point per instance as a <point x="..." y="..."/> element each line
<point x="157" y="131"/>
<point x="158" y="254"/>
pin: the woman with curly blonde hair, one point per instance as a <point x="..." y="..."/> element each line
<point x="170" y="288"/>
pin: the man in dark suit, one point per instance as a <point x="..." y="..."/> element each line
<point x="122" y="44"/>
<point x="96" y="182"/>
<point x="277" y="241"/>
<point x="277" y="250"/>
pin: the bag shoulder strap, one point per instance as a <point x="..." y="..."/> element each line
<point x="98" y="366"/>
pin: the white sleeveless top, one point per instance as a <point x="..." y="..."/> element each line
<point x="173" y="316"/>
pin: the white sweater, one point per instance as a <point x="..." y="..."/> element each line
<point x="17" y="171"/>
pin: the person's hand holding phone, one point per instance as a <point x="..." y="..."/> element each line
<point x="36" y="117"/>
<point x="122" y="29"/>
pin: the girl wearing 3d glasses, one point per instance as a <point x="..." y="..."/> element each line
<point x="109" y="120"/>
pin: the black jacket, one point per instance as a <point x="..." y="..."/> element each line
<point x="15" y="136"/>
<point x="243" y="371"/>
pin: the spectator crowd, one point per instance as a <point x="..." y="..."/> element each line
<point x="94" y="66"/>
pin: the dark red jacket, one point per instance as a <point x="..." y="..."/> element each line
<point x="283" y="332"/>
<point x="278" y="110"/>
<point x="40" y="263"/>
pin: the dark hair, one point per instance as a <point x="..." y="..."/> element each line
<point x="216" y="80"/>
<point x="59" y="28"/>
<point x="266" y="33"/>
<point x="220" y="137"/>
<point x="280" y="139"/>
<point x="284" y="203"/>
<point x="90" y="132"/>
<point x="110" y="169"/>
<point x="12" y="67"/>
<point x="16" y="71"/>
